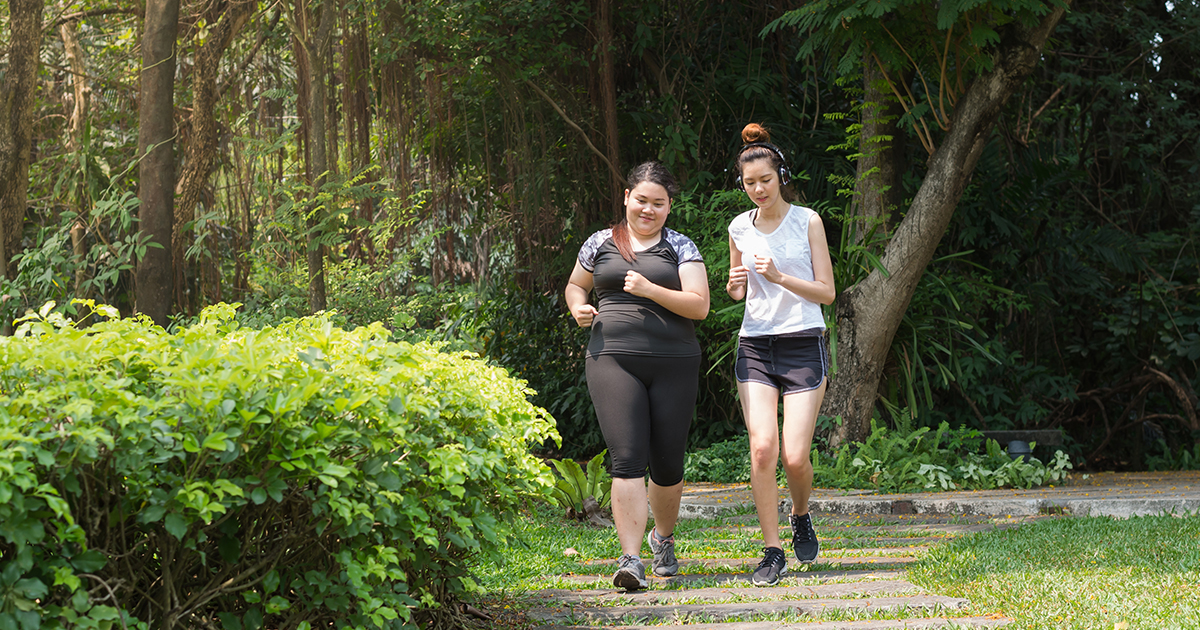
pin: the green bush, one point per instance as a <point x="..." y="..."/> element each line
<point x="927" y="459"/>
<point x="893" y="461"/>
<point x="723" y="462"/>
<point x="290" y="477"/>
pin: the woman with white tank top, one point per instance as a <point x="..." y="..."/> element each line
<point x="779" y="263"/>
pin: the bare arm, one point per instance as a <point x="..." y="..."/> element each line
<point x="691" y="301"/>
<point x="820" y="289"/>
<point x="736" y="285"/>
<point x="576" y="294"/>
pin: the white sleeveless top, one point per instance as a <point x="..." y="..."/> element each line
<point x="770" y="308"/>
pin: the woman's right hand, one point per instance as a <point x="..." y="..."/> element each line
<point x="584" y="314"/>
<point x="737" y="279"/>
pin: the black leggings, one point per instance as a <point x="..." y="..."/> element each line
<point x="645" y="407"/>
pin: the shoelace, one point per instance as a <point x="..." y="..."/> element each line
<point x="770" y="557"/>
<point x="801" y="529"/>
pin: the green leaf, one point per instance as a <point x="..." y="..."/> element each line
<point x="89" y="561"/>
<point x="271" y="582"/>
<point x="152" y="514"/>
<point x="33" y="588"/>
<point x="176" y="525"/>
<point x="216" y="441"/>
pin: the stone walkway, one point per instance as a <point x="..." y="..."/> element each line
<point x="1104" y="494"/>
<point x="858" y="582"/>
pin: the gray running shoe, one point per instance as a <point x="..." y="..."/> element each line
<point x="665" y="563"/>
<point x="773" y="565"/>
<point x="631" y="574"/>
<point x="804" y="538"/>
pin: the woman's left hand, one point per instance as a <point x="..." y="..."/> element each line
<point x="765" y="266"/>
<point x="637" y="284"/>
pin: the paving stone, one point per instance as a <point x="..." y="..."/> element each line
<point x="842" y="542"/>
<point x="818" y="576"/>
<point x="739" y="610"/>
<point x="881" y="624"/>
<point x="749" y="564"/>
<point x="860" y="573"/>
<point x="656" y="596"/>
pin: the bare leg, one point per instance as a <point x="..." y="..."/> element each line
<point x="759" y="408"/>
<point x="664" y="503"/>
<point x="799" y="420"/>
<point x="629" y="512"/>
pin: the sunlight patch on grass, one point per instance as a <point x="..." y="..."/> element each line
<point x="1076" y="572"/>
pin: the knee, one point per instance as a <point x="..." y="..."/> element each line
<point x="764" y="452"/>
<point x="798" y="463"/>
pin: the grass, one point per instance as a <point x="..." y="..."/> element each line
<point x="1076" y="573"/>
<point x="1059" y="573"/>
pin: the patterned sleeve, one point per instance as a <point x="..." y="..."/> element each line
<point x="587" y="253"/>
<point x="684" y="248"/>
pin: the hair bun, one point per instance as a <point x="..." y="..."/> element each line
<point x="755" y="132"/>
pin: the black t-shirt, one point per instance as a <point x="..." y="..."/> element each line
<point x="626" y="323"/>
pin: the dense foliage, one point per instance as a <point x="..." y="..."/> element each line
<point x="472" y="142"/>
<point x="221" y="476"/>
<point x="896" y="461"/>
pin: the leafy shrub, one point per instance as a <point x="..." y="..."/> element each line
<point x="299" y="476"/>
<point x="925" y="459"/>
<point x="1184" y="459"/>
<point x="723" y="462"/>
<point x="891" y="461"/>
<point x="534" y="336"/>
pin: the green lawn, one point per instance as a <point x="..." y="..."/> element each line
<point x="1076" y="573"/>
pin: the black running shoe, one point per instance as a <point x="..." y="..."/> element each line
<point x="804" y="538"/>
<point x="773" y="565"/>
<point x="631" y="573"/>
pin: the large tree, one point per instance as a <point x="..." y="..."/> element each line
<point x="1007" y="43"/>
<point x="156" y="146"/>
<point x="315" y="59"/>
<point x="16" y="123"/>
<point x="227" y="18"/>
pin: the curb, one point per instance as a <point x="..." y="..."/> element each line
<point x="1114" y="507"/>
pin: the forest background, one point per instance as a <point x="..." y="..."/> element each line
<point x="436" y="165"/>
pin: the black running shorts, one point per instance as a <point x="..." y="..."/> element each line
<point x="791" y="363"/>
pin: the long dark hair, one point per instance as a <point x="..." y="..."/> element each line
<point x="655" y="173"/>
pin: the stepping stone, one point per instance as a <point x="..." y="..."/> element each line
<point x="814" y="607"/>
<point x="816" y="591"/>
<point x="838" y="542"/>
<point x="750" y="564"/>
<point x="881" y="624"/>
<point x="859" y="574"/>
<point x="744" y="577"/>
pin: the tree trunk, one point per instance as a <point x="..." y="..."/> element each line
<point x="80" y="103"/>
<point x="312" y="69"/>
<point x="156" y="171"/>
<point x="16" y="123"/>
<point x="357" y="110"/>
<point x="878" y="191"/>
<point x="608" y="98"/>
<point x="869" y="313"/>
<point x="200" y="153"/>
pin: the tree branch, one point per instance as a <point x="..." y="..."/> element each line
<point x="79" y="15"/>
<point x="577" y="128"/>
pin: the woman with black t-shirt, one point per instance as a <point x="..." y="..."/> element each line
<point x="643" y="361"/>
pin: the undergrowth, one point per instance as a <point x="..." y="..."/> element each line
<point x="891" y="461"/>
